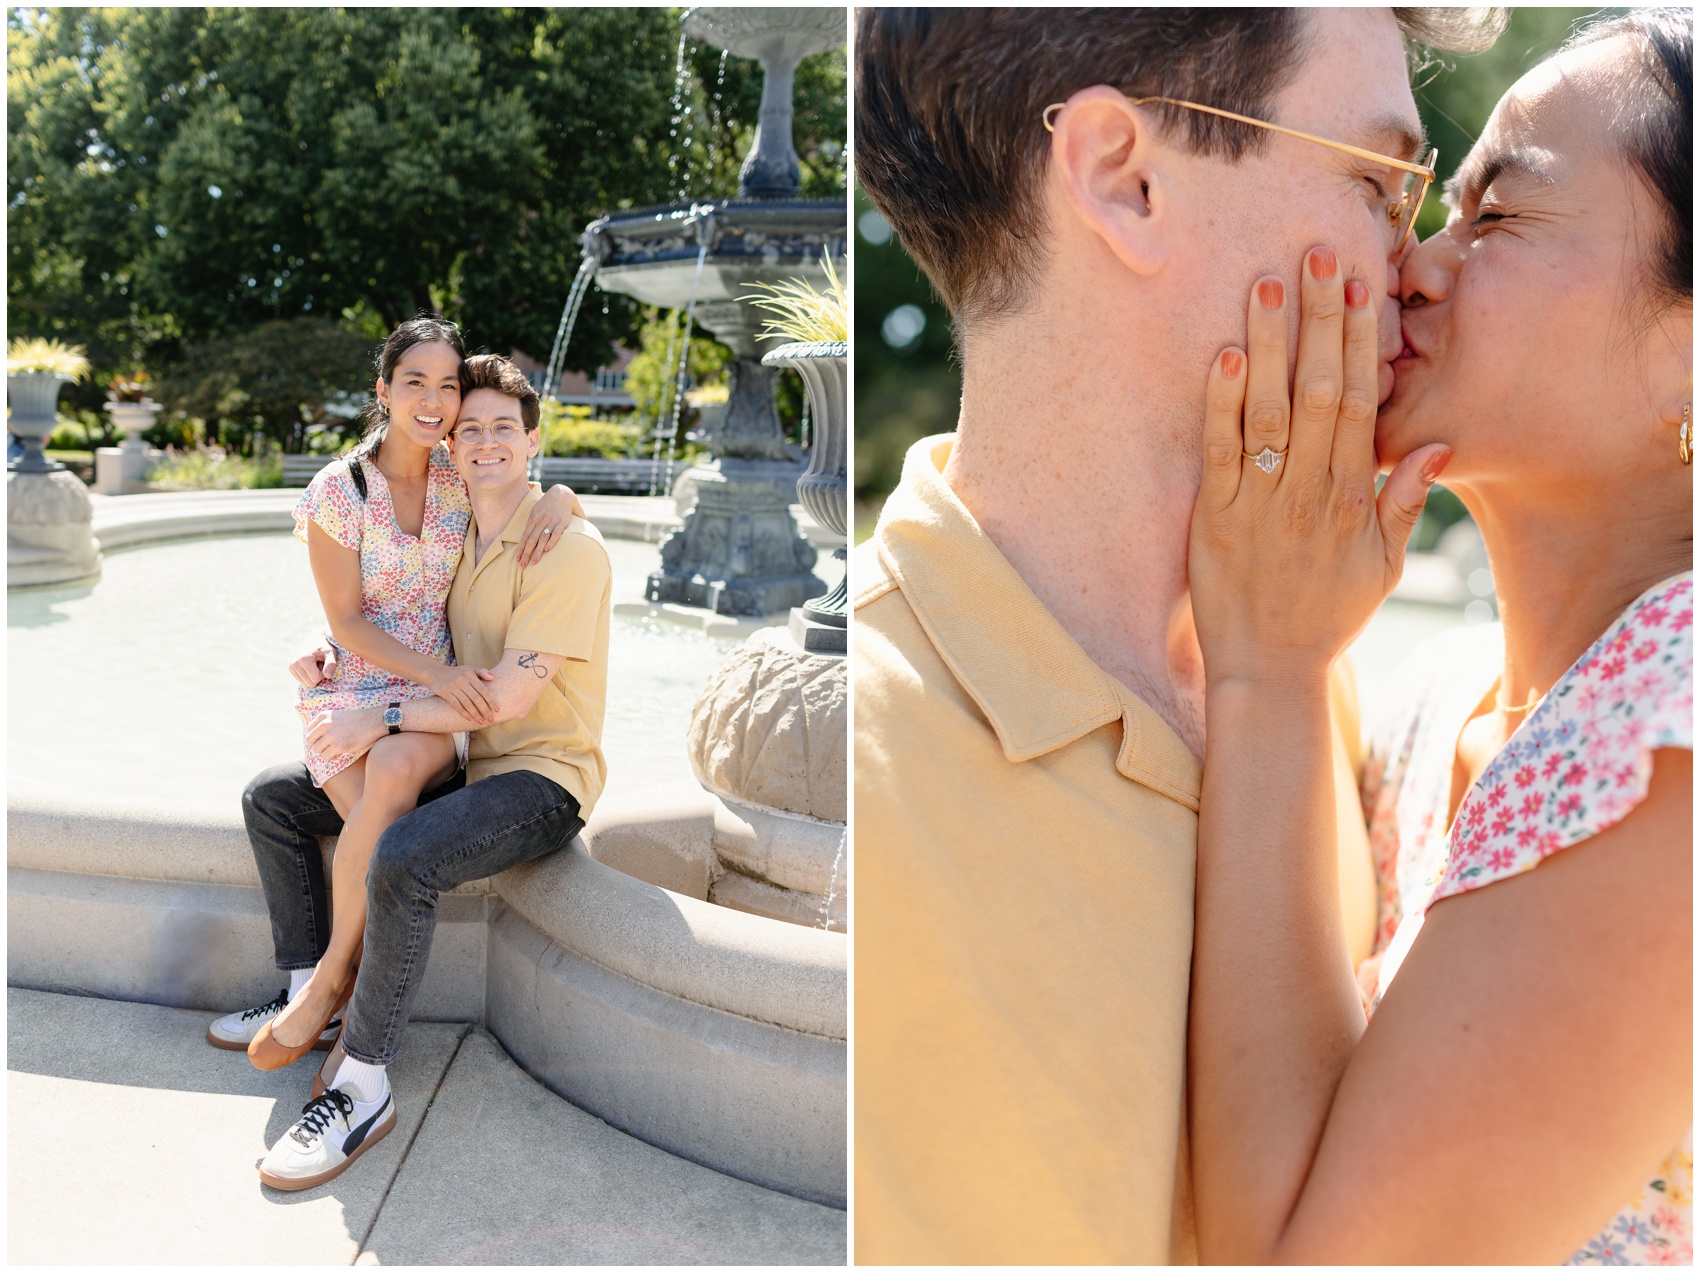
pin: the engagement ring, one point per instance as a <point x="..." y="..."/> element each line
<point x="1266" y="459"/>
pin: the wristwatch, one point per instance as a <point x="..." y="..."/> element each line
<point x="392" y="717"/>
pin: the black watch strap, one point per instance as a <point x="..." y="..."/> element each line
<point x="396" y="708"/>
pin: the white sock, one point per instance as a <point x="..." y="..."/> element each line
<point x="297" y="978"/>
<point x="366" y="1083"/>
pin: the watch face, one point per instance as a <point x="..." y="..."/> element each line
<point x="392" y="716"/>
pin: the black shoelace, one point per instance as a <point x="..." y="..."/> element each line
<point x="276" y="1005"/>
<point x="317" y="1113"/>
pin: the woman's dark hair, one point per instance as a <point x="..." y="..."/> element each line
<point x="1656" y="132"/>
<point x="415" y="331"/>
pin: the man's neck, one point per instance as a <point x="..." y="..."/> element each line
<point x="491" y="513"/>
<point x="1071" y="468"/>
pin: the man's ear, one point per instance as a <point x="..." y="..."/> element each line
<point x="1109" y="165"/>
<point x="533" y="440"/>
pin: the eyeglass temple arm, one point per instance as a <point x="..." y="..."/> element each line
<point x="1418" y="169"/>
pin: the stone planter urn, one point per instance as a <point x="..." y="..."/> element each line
<point x="819" y="625"/>
<point x="133" y="419"/>
<point x="123" y="470"/>
<point x="33" y="397"/>
<point x="49" y="516"/>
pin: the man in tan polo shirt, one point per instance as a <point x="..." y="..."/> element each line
<point x="533" y="772"/>
<point x="1028" y="687"/>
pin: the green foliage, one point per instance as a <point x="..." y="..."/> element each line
<point x="569" y="430"/>
<point x="69" y="435"/>
<point x="1456" y="94"/>
<point x="650" y="376"/>
<point x="269" y="382"/>
<point x="177" y="177"/>
<point x="205" y="469"/>
<point x="902" y="394"/>
<point x="800" y="313"/>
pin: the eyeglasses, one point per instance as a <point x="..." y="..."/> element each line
<point x="471" y="434"/>
<point x="1401" y="212"/>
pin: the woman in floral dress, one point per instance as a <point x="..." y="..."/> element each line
<point x="384" y="527"/>
<point x="1514" y="1084"/>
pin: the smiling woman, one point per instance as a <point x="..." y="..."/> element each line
<point x="385" y="527"/>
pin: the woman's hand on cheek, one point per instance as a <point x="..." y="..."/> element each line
<point x="1288" y="565"/>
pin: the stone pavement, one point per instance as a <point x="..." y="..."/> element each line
<point x="131" y="1141"/>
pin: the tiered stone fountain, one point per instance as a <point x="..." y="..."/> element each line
<point x="739" y="551"/>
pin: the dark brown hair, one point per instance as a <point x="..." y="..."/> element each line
<point x="949" y="143"/>
<point x="1656" y="131"/>
<point x="415" y="331"/>
<point x="492" y="371"/>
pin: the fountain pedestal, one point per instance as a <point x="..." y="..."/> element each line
<point x="49" y="516"/>
<point x="49" y="529"/>
<point x="739" y="552"/>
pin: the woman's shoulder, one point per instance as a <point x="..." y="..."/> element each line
<point x="333" y="500"/>
<point x="337" y="475"/>
<point x="1635" y="685"/>
<point x="1584" y="758"/>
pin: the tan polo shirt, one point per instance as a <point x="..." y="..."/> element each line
<point x="559" y="605"/>
<point x="1026" y="829"/>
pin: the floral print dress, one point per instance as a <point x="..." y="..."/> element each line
<point x="404" y="581"/>
<point x="1579" y="762"/>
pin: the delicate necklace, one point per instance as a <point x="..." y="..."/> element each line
<point x="387" y="474"/>
<point x="1534" y="702"/>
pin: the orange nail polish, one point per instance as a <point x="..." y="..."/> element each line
<point x="1435" y="465"/>
<point x="1323" y="263"/>
<point x="1357" y="295"/>
<point x="1232" y="362"/>
<point x="1271" y="293"/>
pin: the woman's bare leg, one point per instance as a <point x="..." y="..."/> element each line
<point x="391" y="779"/>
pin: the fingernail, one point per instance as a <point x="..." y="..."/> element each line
<point x="1435" y="464"/>
<point x="1323" y="264"/>
<point x="1232" y="362"/>
<point x="1357" y="295"/>
<point x="1271" y="293"/>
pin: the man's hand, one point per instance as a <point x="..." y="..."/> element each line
<point x="347" y="733"/>
<point x="463" y="688"/>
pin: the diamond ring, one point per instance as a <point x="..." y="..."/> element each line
<point x="1266" y="459"/>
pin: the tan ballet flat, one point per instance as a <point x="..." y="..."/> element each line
<point x="266" y="1053"/>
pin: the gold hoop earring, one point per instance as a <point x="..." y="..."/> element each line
<point x="1685" y="437"/>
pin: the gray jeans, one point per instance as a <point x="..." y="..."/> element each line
<point x="457" y="834"/>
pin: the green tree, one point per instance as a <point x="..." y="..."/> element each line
<point x="271" y="381"/>
<point x="183" y="175"/>
<point x="1456" y="94"/>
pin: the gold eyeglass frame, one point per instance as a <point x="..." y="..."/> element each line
<point x="1395" y="211"/>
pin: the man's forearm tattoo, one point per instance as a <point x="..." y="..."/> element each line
<point x="530" y="663"/>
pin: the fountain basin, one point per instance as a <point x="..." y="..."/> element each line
<point x="713" y="1033"/>
<point x="716" y="1035"/>
<point x="651" y="253"/>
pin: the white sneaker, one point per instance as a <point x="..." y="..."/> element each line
<point x="235" y="1032"/>
<point x="333" y="1130"/>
